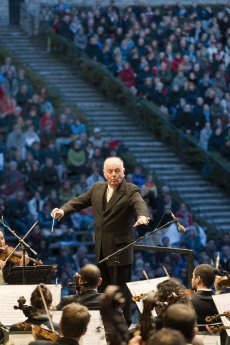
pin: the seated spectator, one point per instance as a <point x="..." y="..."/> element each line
<point x="49" y="176"/>
<point x="76" y="159"/>
<point x="23" y="95"/>
<point x="13" y="180"/>
<point x="34" y="178"/>
<point x="138" y="176"/>
<point x="66" y="192"/>
<point x="35" y="205"/>
<point x="16" y="139"/>
<point x="216" y="140"/>
<point x="82" y="186"/>
<point x="77" y="128"/>
<point x="127" y="75"/>
<point x="205" y="134"/>
<point x="18" y="212"/>
<point x="184" y="215"/>
<point x="31" y="136"/>
<point x="63" y="132"/>
<point x="96" y="139"/>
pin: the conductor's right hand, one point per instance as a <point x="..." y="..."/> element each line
<point x="57" y="213"/>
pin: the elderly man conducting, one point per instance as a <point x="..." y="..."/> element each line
<point x="116" y="203"/>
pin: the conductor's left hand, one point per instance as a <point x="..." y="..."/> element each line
<point x="142" y="220"/>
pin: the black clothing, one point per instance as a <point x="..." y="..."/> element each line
<point x="39" y="319"/>
<point x="204" y="305"/>
<point x="88" y="298"/>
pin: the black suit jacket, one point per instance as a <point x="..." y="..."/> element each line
<point x="88" y="298"/>
<point x="114" y="220"/>
<point x="204" y="305"/>
<point x="59" y="341"/>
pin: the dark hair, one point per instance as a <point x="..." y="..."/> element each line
<point x="207" y="274"/>
<point x="36" y="298"/>
<point x="74" y="320"/>
<point x="172" y="291"/>
<point x="90" y="275"/>
<point x="182" y="318"/>
<point x="167" y="336"/>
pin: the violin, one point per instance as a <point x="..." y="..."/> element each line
<point x="212" y="329"/>
<point x="16" y="256"/>
<point x="223" y="281"/>
<point x="39" y="332"/>
<point x="217" y="316"/>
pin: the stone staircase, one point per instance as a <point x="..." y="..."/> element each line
<point x="207" y="200"/>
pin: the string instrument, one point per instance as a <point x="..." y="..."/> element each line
<point x="223" y="281"/>
<point x="115" y="326"/>
<point x="217" y="316"/>
<point x="39" y="332"/>
<point x="212" y="329"/>
<point x="27" y="309"/>
<point x="15" y="257"/>
<point x="78" y="284"/>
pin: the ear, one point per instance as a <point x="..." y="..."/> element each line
<point x="99" y="281"/>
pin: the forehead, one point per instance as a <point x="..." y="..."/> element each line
<point x="1" y="234"/>
<point x="113" y="164"/>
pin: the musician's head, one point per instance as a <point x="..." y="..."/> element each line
<point x="171" y="291"/>
<point x="90" y="276"/>
<point x="203" y="276"/>
<point x="167" y="336"/>
<point x="2" y="240"/>
<point x="36" y="298"/>
<point x="182" y="318"/>
<point x="74" y="320"/>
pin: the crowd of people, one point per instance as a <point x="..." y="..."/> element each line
<point x="48" y="157"/>
<point x="176" y="56"/>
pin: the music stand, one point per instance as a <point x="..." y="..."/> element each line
<point x="32" y="275"/>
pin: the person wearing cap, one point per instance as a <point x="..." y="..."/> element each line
<point x="116" y="203"/>
<point x="97" y="138"/>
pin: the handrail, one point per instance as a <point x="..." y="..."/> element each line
<point x="188" y="252"/>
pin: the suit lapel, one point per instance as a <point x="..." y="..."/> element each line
<point x="117" y="194"/>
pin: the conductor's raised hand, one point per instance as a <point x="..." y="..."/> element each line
<point x="142" y="220"/>
<point x="57" y="213"/>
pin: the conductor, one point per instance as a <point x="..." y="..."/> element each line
<point x="117" y="207"/>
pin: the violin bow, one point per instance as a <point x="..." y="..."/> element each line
<point x="46" y="308"/>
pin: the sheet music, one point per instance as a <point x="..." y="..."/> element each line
<point x="95" y="332"/>
<point x="209" y="339"/>
<point x="222" y="302"/>
<point x="144" y="286"/>
<point x="9" y="294"/>
<point x="20" y="338"/>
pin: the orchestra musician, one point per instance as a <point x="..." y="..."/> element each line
<point x="87" y="282"/>
<point x="74" y="322"/>
<point x="36" y="312"/>
<point x="5" y="267"/>
<point x="203" y="279"/>
<point x="115" y="203"/>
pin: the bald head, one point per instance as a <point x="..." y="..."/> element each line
<point x="90" y="276"/>
<point x="114" y="171"/>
